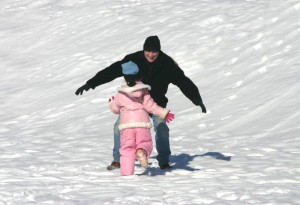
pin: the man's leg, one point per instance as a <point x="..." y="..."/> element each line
<point x="162" y="141"/>
<point x="116" y="149"/>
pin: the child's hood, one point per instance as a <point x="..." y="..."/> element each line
<point x="135" y="91"/>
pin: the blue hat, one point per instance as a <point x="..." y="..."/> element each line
<point x="130" y="68"/>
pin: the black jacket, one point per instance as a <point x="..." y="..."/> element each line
<point x="159" y="74"/>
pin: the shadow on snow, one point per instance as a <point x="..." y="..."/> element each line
<point x="181" y="162"/>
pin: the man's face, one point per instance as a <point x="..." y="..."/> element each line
<point x="151" y="56"/>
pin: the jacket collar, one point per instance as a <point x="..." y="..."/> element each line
<point x="126" y="89"/>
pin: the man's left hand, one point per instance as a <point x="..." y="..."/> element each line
<point x="203" y="108"/>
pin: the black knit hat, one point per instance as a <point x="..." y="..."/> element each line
<point x="152" y="43"/>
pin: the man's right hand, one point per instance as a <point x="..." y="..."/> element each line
<point x="80" y="90"/>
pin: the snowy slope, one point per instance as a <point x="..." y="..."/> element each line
<point x="243" y="56"/>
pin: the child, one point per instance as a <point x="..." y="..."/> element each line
<point x="134" y="103"/>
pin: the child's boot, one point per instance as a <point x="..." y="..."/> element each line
<point x="142" y="157"/>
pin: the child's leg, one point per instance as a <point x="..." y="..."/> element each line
<point x="144" y="140"/>
<point x="127" y="152"/>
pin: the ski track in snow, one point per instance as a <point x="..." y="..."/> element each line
<point x="243" y="55"/>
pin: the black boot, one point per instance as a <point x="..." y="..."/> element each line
<point x="165" y="166"/>
<point x="113" y="165"/>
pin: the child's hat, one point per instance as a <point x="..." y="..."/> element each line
<point x="130" y="68"/>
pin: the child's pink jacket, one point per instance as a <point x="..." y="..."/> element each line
<point x="134" y="105"/>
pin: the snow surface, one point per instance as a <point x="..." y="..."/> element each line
<point x="243" y="55"/>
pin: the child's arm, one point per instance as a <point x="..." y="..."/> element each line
<point x="151" y="106"/>
<point x="113" y="105"/>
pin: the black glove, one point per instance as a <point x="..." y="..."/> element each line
<point x="80" y="90"/>
<point x="203" y="108"/>
<point x="199" y="102"/>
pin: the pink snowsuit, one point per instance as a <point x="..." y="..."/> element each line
<point x="134" y="105"/>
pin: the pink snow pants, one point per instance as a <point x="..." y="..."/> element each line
<point x="131" y="140"/>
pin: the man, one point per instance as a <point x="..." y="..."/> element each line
<point x="158" y="70"/>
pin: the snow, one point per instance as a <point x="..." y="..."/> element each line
<point x="243" y="56"/>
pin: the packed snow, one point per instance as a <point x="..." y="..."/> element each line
<point x="244" y="56"/>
